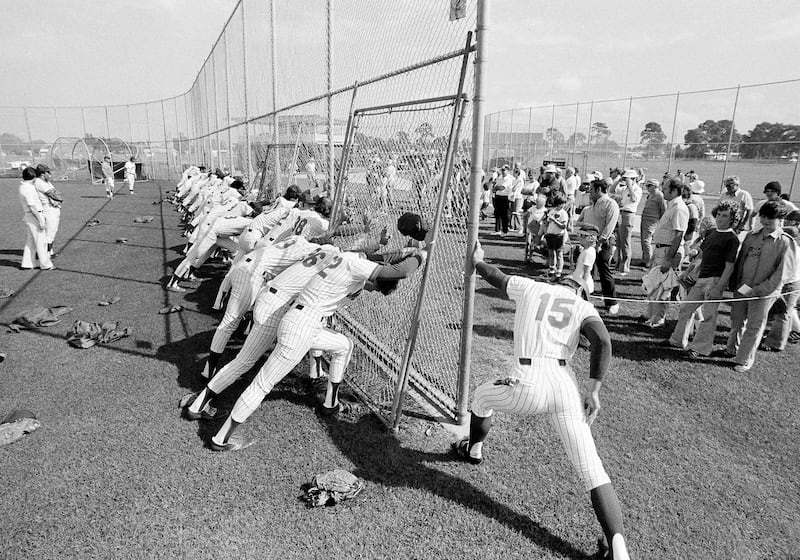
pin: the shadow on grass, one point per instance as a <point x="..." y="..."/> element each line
<point x="17" y="252"/>
<point x="379" y="457"/>
<point x="493" y="331"/>
<point x="8" y="263"/>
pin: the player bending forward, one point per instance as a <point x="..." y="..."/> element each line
<point x="547" y="326"/>
<point x="302" y="329"/>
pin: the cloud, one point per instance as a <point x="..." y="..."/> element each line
<point x="783" y="29"/>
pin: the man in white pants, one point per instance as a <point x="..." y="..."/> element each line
<point x="108" y="176"/>
<point x="301" y="330"/>
<point x="51" y="201"/>
<point x="548" y="323"/>
<point x="247" y="277"/>
<point x="130" y="173"/>
<point x="34" y="220"/>
<point x="272" y="302"/>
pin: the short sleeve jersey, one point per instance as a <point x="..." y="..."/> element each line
<point x="548" y="319"/>
<point x="344" y="276"/>
<point x="130" y="169"/>
<point x="307" y="223"/>
<point x="294" y="279"/>
<point x="107" y="171"/>
<point x="270" y="261"/>
<point x="42" y="187"/>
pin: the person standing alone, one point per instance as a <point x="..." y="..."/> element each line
<point x="130" y="173"/>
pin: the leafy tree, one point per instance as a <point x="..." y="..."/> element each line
<point x="553" y="136"/>
<point x="771" y="140"/>
<point x="652" y="134"/>
<point x="709" y="135"/>
<point x="576" y="138"/>
<point x="600" y="133"/>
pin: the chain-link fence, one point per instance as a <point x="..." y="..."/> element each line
<point x="273" y="102"/>
<point x="686" y="131"/>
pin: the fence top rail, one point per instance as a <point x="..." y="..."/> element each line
<point x="655" y="96"/>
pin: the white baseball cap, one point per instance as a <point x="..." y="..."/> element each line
<point x="550" y="169"/>
<point x="630" y="173"/>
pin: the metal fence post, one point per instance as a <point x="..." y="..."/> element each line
<point x="216" y="110"/>
<point x="589" y="138"/>
<point x="178" y="134"/>
<point x="228" y="101"/>
<point x="730" y="139"/>
<point x="528" y="135"/>
<point x="511" y="136"/>
<point x="167" y="149"/>
<point x="794" y="175"/>
<point x="27" y="124"/>
<point x="55" y="117"/>
<point x="130" y="126"/>
<point x="83" y="122"/>
<point x="207" y="136"/>
<point x="275" y="134"/>
<point x="331" y="153"/>
<point x="108" y="128"/>
<point x="149" y="140"/>
<point x="552" y="135"/>
<point x="627" y="132"/>
<point x="476" y="179"/>
<point x="248" y="163"/>
<point x="672" y="137"/>
<point x="575" y="134"/>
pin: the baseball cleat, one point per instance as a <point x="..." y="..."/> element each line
<point x="175" y="288"/>
<point x="327" y="412"/>
<point x="208" y="413"/>
<point x="235" y="443"/>
<point x="461" y="450"/>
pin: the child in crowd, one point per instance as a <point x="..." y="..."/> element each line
<point x="486" y="199"/>
<point x="534" y="229"/>
<point x="555" y="232"/>
<point x="585" y="262"/>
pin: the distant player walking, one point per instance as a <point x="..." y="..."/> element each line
<point x="130" y="173"/>
<point x="108" y="176"/>
<point x="547" y="326"/>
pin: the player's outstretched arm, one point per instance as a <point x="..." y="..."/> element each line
<point x="600" y="358"/>
<point x="490" y="273"/>
<point x="401" y="269"/>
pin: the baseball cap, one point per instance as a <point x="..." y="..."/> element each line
<point x="771" y="186"/>
<point x="653" y="182"/>
<point x="630" y="173"/>
<point x="413" y="225"/>
<point x="292" y="193"/>
<point x="42" y="168"/>
<point x="550" y="169"/>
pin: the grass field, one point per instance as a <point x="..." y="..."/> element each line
<point x="704" y="460"/>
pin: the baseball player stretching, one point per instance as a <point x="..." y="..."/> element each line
<point x="247" y="278"/>
<point x="548" y="323"/>
<point x="272" y="302"/>
<point x="302" y="330"/>
<point x="310" y="223"/>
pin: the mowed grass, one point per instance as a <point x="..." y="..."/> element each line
<point x="704" y="459"/>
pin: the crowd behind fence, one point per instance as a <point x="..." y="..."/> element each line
<point x="662" y="133"/>
<point x="279" y="90"/>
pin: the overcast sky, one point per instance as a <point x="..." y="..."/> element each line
<point x="77" y="52"/>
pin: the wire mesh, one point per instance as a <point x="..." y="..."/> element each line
<point x="683" y="131"/>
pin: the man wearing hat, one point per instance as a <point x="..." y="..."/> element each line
<point x="51" y="200"/>
<point x="628" y="194"/>
<point x="772" y="191"/>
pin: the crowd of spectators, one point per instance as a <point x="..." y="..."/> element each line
<point x="739" y="252"/>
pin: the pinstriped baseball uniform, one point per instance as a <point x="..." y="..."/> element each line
<point x="546" y="333"/>
<point x="264" y="222"/>
<point x="302" y="328"/>
<point x="248" y="277"/>
<point x="271" y="304"/>
<point x="229" y="224"/>
<point x="279" y="212"/>
<point x="308" y="223"/>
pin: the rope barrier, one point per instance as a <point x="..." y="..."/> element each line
<point x="685" y="301"/>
